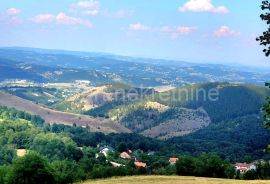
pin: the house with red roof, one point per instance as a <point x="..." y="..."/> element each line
<point x="173" y="160"/>
<point x="140" y="164"/>
<point x="244" y="167"/>
<point x="125" y="155"/>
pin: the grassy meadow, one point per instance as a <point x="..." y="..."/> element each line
<point x="171" y="180"/>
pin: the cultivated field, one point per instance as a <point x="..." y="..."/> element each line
<point x="58" y="117"/>
<point x="171" y="180"/>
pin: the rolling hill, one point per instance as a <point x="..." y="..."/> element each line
<point x="58" y="117"/>
<point x="163" y="115"/>
<point x="231" y="125"/>
<point x="176" y="112"/>
<point x="233" y="100"/>
<point x="102" y="97"/>
<point x="41" y="65"/>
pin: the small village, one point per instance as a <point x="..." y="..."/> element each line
<point x="126" y="156"/>
<point x="130" y="155"/>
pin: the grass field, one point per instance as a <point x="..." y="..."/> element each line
<point x="171" y="180"/>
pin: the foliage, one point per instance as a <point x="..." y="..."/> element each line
<point x="204" y="166"/>
<point x="266" y="109"/>
<point x="233" y="100"/>
<point x="55" y="146"/>
<point x="230" y="139"/>
<point x="29" y="169"/>
<point x="7" y="153"/>
<point x="122" y="147"/>
<point x="67" y="171"/>
<point x="107" y="171"/>
<point x="59" y="158"/>
<point x="13" y="114"/>
<point x="265" y="38"/>
<point x="262" y="172"/>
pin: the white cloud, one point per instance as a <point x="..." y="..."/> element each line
<point x="176" y="32"/>
<point x="90" y="12"/>
<point x="119" y="14"/>
<point x="13" y="11"/>
<point x="184" y="30"/>
<point x="88" y="4"/>
<point x="225" y="31"/>
<point x="86" y="7"/>
<point x="173" y="32"/>
<point x="124" y="13"/>
<point x="165" y="29"/>
<point x="44" y="18"/>
<point x="138" y="27"/>
<point x="61" y="18"/>
<point x="203" y="6"/>
<point x="10" y="17"/>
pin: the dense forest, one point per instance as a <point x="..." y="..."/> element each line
<point x="65" y="154"/>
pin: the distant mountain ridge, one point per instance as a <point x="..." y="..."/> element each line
<point x="62" y="66"/>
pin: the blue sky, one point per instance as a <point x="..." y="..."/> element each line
<point x="206" y="31"/>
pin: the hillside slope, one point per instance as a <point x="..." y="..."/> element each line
<point x="101" y="98"/>
<point x="233" y="100"/>
<point x="231" y="126"/>
<point x="161" y="115"/>
<point x="184" y="110"/>
<point x="53" y="116"/>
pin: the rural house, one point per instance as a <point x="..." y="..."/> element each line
<point x="125" y="155"/>
<point x="140" y="164"/>
<point x="244" y="167"/>
<point x="173" y="161"/>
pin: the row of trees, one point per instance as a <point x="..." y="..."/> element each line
<point x="205" y="166"/>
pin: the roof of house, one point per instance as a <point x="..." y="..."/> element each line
<point x="105" y="147"/>
<point x="174" y="160"/>
<point x="125" y="155"/>
<point x="114" y="164"/>
<point x="105" y="150"/>
<point x="140" y="164"/>
<point x="242" y="165"/>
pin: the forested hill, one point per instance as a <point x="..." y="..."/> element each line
<point x="184" y="110"/>
<point x="231" y="126"/>
<point x="236" y="124"/>
<point x="236" y="127"/>
<point x="233" y="100"/>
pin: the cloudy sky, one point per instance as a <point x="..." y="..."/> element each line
<point x="208" y="31"/>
